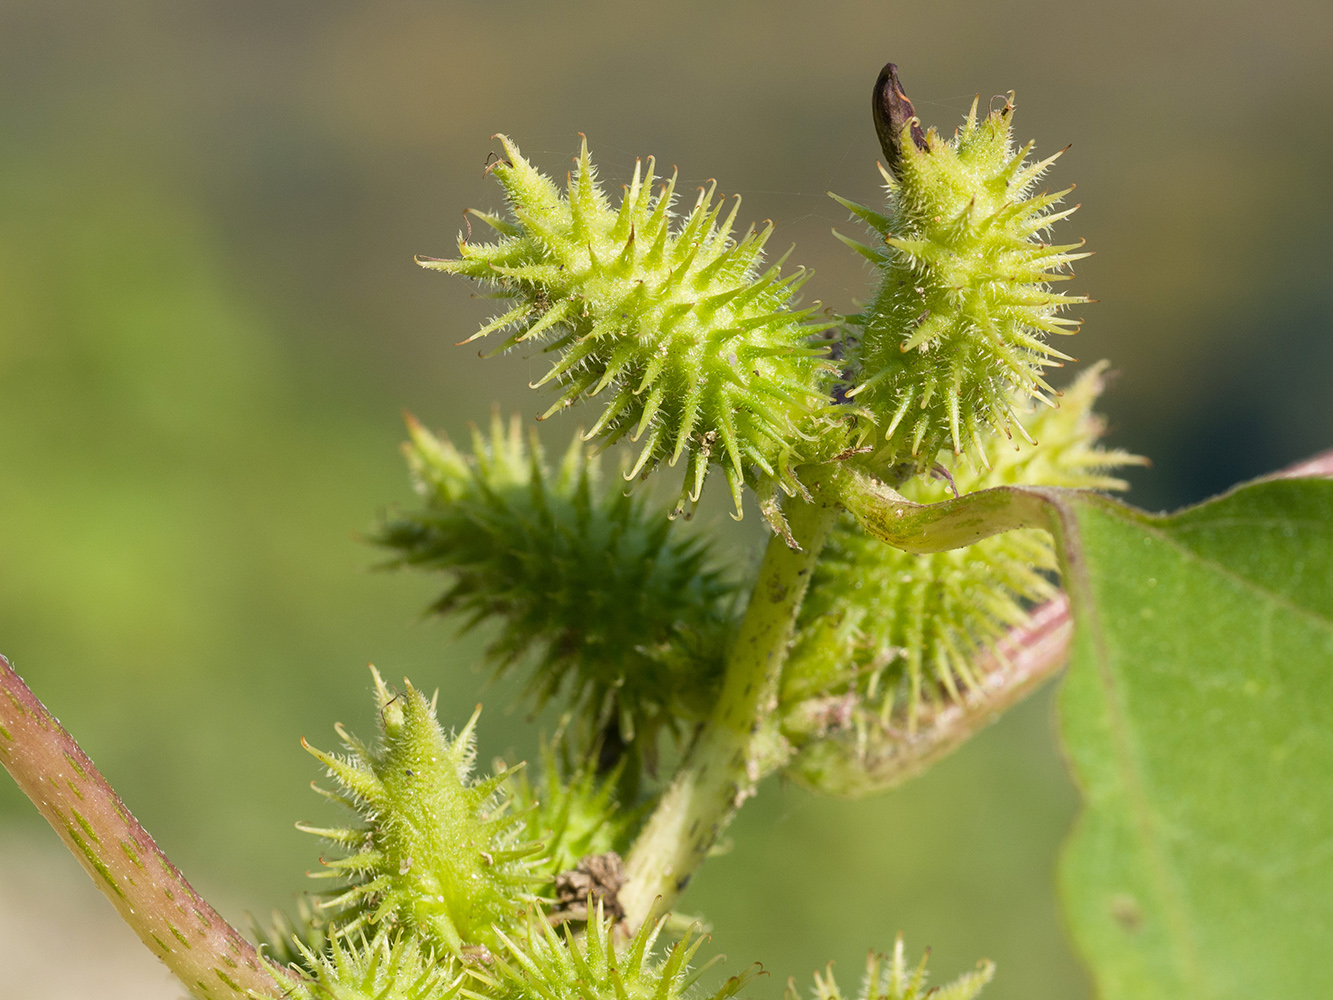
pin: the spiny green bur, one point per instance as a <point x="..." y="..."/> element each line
<point x="892" y="979"/>
<point x="953" y="342"/>
<point x="544" y="964"/>
<point x="625" y="610"/>
<point x="697" y="352"/>
<point x="441" y="854"/>
<point x="386" y="967"/>
<point x="576" y="817"/>
<point x="911" y="626"/>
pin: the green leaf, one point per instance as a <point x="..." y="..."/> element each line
<point x="1198" y="719"/>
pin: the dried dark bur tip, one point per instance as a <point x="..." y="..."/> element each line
<point x="892" y="111"/>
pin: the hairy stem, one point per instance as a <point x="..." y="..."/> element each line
<point x="204" y="952"/>
<point x="726" y="760"/>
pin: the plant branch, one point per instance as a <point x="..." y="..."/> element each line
<point x="735" y="746"/>
<point x="204" y="952"/>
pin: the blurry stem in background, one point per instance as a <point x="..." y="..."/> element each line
<point x="151" y="895"/>
<point x="732" y="752"/>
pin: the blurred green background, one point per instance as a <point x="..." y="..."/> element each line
<point x="210" y="322"/>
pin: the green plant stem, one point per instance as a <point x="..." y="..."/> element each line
<point x="735" y="747"/>
<point x="204" y="952"/>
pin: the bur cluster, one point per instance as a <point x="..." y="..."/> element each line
<point x="445" y="881"/>
<point x="690" y="347"/>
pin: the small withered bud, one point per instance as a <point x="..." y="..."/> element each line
<point x="598" y="877"/>
<point x="892" y="110"/>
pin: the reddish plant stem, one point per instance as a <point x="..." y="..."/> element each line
<point x="204" y="952"/>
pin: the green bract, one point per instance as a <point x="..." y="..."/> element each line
<point x="383" y="968"/>
<point x="953" y="343"/>
<point x="545" y="964"/>
<point x="696" y="352"/>
<point x="896" y="628"/>
<point x="440" y="854"/>
<point x="621" y="607"/>
<point x="891" y="979"/>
